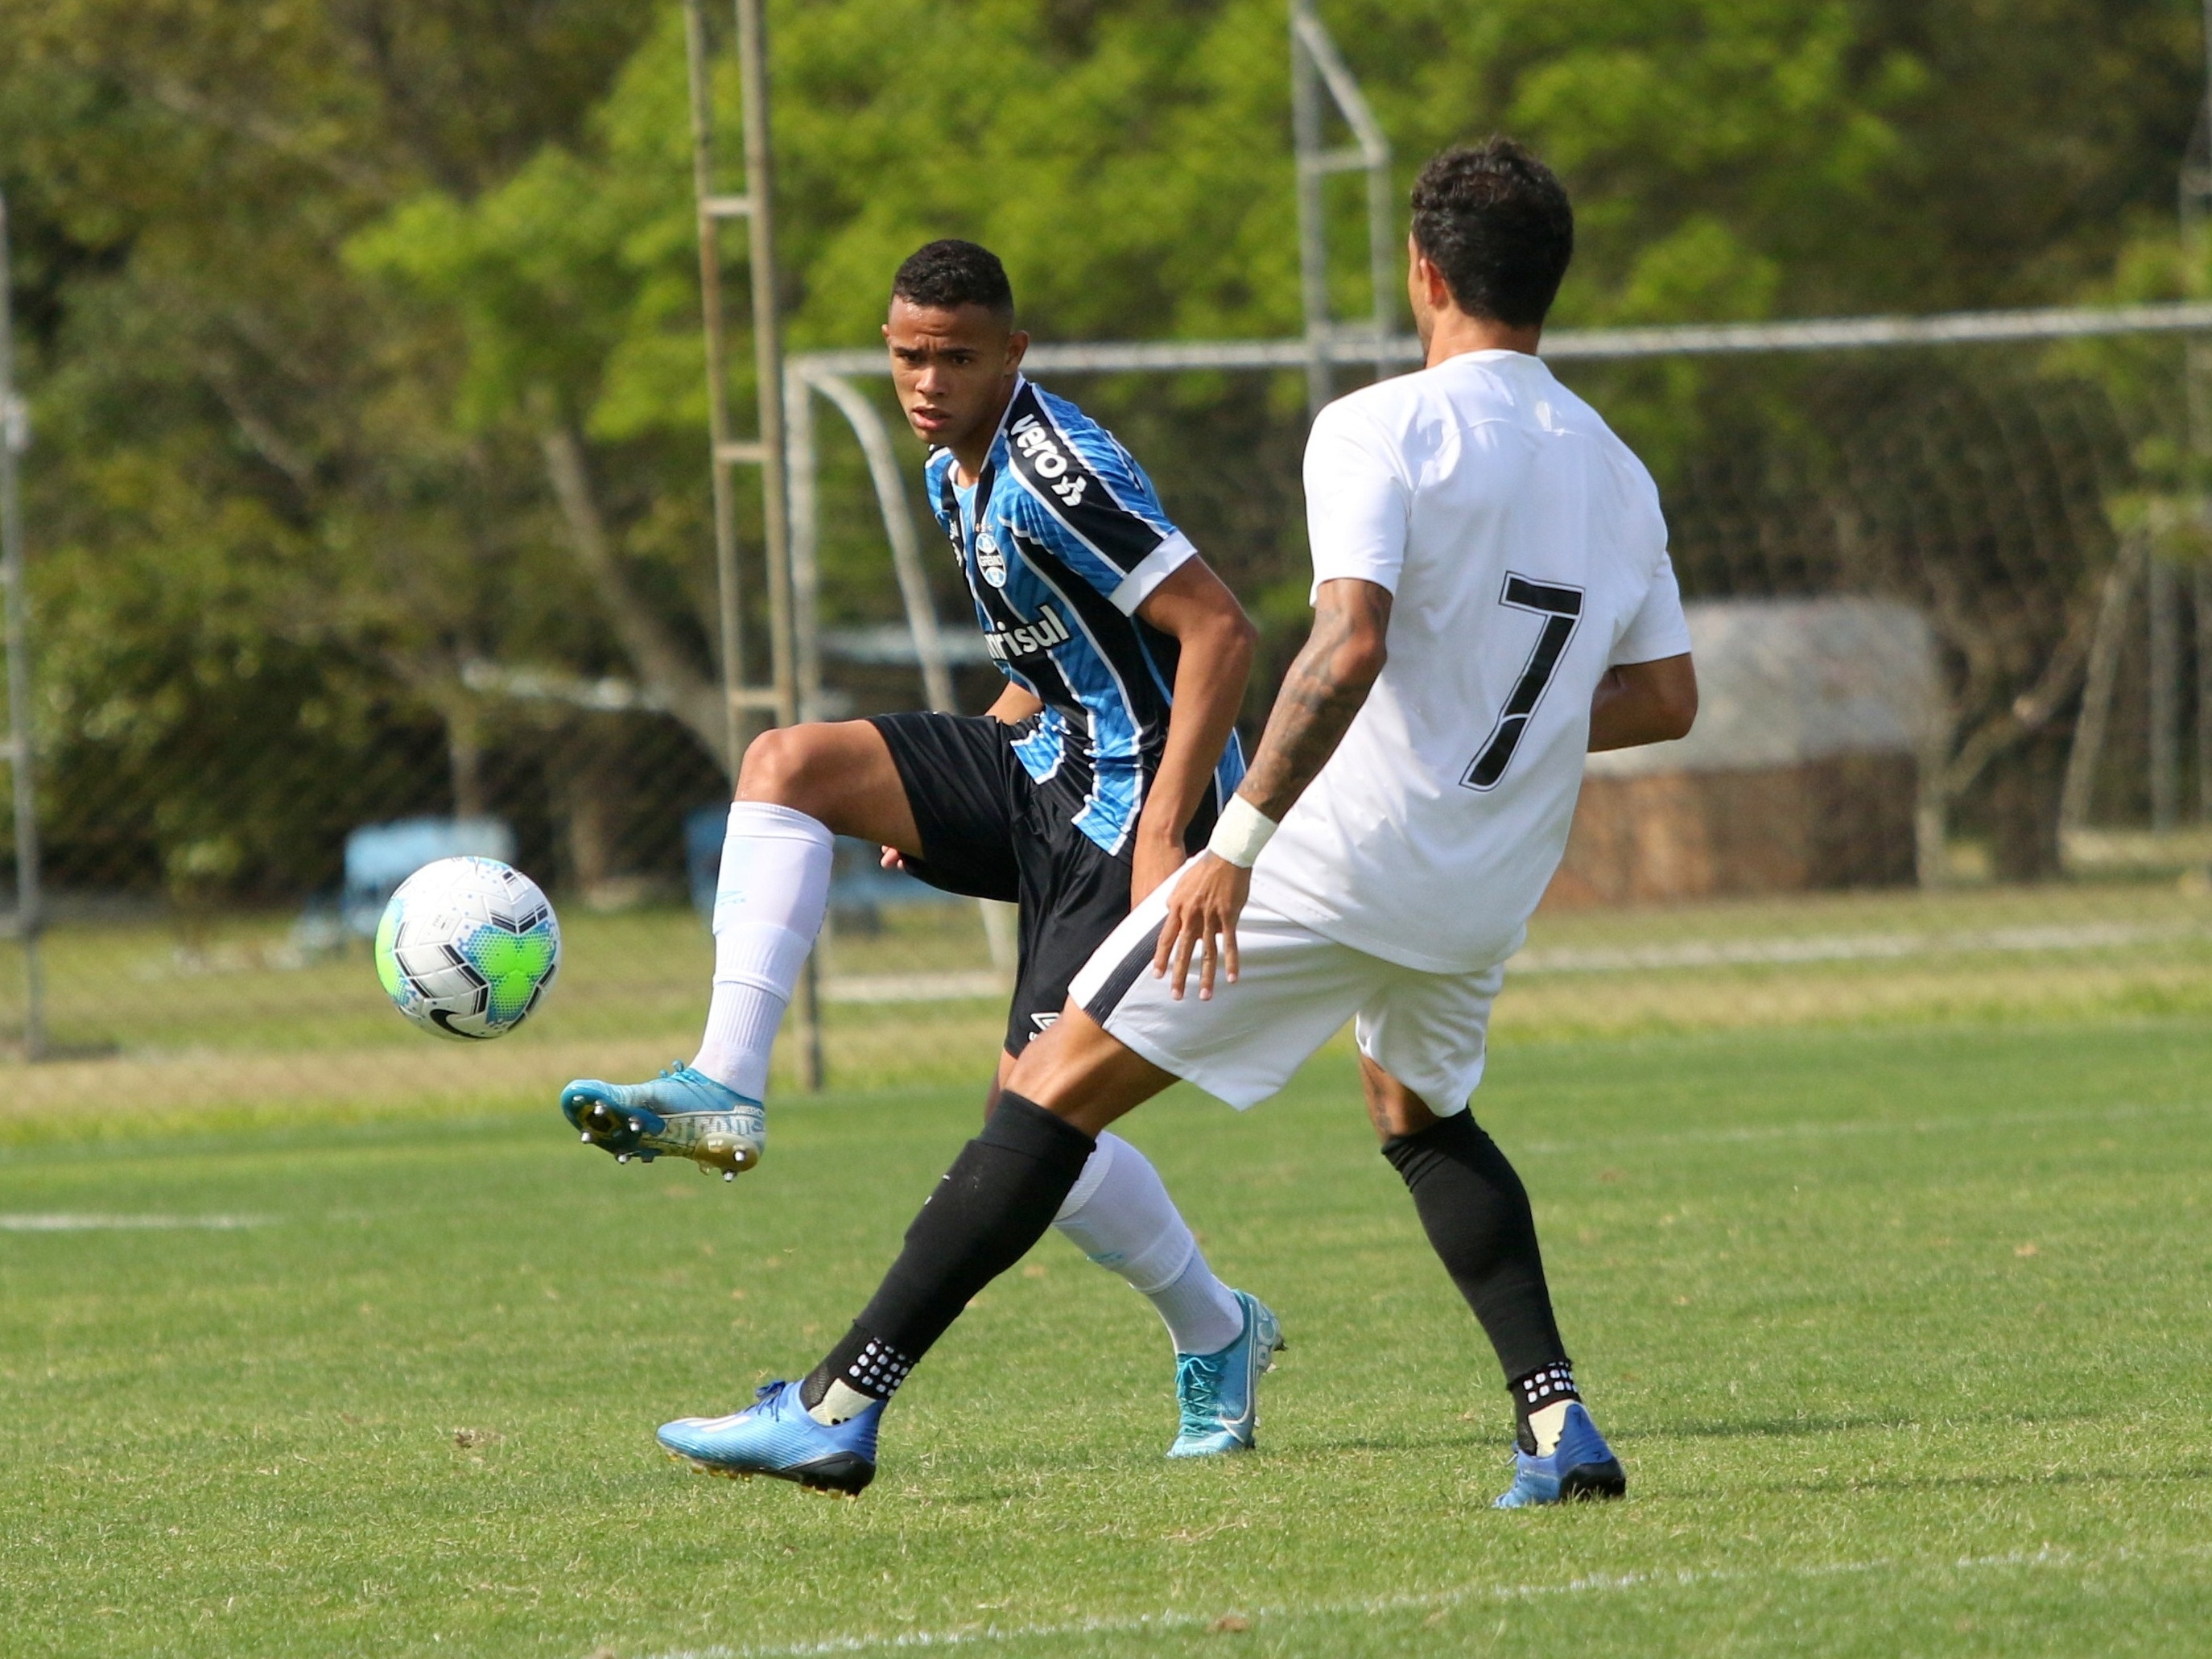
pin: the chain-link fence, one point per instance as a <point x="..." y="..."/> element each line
<point x="1912" y="573"/>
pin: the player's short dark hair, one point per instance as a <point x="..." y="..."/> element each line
<point x="945" y="275"/>
<point x="1497" y="223"/>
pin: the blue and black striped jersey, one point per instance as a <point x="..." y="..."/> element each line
<point x="1061" y="539"/>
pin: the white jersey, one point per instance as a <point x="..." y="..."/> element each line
<point x="1525" y="548"/>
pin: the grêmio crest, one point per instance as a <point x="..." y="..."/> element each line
<point x="990" y="562"/>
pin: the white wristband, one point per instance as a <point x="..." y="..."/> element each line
<point x="1240" y="832"/>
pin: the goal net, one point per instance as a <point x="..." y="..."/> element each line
<point x="1951" y="619"/>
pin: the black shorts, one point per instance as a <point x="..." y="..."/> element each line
<point x="989" y="830"/>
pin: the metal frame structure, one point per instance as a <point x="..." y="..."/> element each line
<point x="779" y="697"/>
<point x="1320" y="80"/>
<point x="832" y="375"/>
<point x="14" y="439"/>
<point x="2162" y="580"/>
<point x="1317" y="68"/>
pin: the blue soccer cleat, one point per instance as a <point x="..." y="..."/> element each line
<point x="775" y="1436"/>
<point x="1580" y="1465"/>
<point x="1220" y="1393"/>
<point x="682" y="1111"/>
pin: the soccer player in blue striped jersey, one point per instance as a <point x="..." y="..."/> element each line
<point x="1061" y="539"/>
<point x="1101" y="767"/>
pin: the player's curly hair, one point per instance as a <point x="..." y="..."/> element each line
<point x="1497" y="223"/>
<point x="945" y="274"/>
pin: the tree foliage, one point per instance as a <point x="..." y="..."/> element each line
<point x="362" y="334"/>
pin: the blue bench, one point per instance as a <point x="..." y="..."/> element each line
<point x="380" y="856"/>
<point x="858" y="884"/>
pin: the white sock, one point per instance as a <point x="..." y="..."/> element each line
<point x="1119" y="1215"/>
<point x="1547" y="1423"/>
<point x="768" y="906"/>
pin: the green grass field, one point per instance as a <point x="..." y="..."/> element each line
<point x="1896" y="1308"/>
<point x="224" y="1026"/>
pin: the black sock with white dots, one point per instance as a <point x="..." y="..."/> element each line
<point x="1547" y="1385"/>
<point x="864" y="1363"/>
<point x="997" y="1200"/>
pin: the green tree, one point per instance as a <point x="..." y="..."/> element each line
<point x="364" y="332"/>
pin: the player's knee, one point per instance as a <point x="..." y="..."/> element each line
<point x="782" y="767"/>
<point x="1392" y="1107"/>
<point x="1391" y="1120"/>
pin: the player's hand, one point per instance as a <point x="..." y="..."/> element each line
<point x="893" y="859"/>
<point x="1201" y="922"/>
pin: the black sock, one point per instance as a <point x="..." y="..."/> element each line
<point x="1550" y="1385"/>
<point x="995" y="1202"/>
<point x="1476" y="1214"/>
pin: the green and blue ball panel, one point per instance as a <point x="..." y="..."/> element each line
<point x="467" y="947"/>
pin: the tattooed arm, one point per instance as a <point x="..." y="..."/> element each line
<point x="1324" y="690"/>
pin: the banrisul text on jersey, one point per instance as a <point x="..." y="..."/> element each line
<point x="1061" y="539"/>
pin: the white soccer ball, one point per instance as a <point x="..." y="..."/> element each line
<point x="467" y="947"/>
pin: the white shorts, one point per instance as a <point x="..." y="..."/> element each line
<point x="1294" y="990"/>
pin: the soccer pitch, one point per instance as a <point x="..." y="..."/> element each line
<point x="1899" y="1323"/>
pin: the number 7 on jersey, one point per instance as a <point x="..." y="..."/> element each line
<point x="1561" y="608"/>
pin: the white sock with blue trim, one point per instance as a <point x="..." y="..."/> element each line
<point x="1119" y="1215"/>
<point x="768" y="906"/>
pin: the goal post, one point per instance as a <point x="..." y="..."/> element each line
<point x="2080" y="667"/>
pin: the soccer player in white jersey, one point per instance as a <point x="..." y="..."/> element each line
<point x="1493" y="598"/>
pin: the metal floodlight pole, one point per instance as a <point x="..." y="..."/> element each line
<point x="768" y="350"/>
<point x="1317" y="68"/>
<point x="757" y="206"/>
<point x="767" y="367"/>
<point x="1313" y="211"/>
<point x="15" y="438"/>
<point x="713" y="209"/>
<point x="2195" y="195"/>
<point x="799" y="474"/>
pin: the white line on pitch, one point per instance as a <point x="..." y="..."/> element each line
<point x="1630" y="959"/>
<point x="1898" y="1126"/>
<point x="1839" y="947"/>
<point x="2046" y="1557"/>
<point x="20" y="1222"/>
<point x="914" y="987"/>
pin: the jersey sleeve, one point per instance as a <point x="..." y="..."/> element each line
<point x="1084" y="498"/>
<point x="1658" y="628"/>
<point x="1359" y="502"/>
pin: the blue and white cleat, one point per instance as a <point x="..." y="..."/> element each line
<point x="775" y="1436"/>
<point x="1220" y="1393"/>
<point x="682" y="1112"/>
<point x="1580" y="1465"/>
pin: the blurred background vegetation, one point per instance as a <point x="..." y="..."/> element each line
<point x="362" y="336"/>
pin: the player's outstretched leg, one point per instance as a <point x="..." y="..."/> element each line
<point x="1476" y="1214"/>
<point x="768" y="906"/>
<point x="996" y="1200"/>
<point x="1119" y="1215"/>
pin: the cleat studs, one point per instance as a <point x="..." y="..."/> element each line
<point x="729" y="1174"/>
<point x="622" y="1158"/>
<point x="585" y="1136"/>
<point x="635" y="1127"/>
